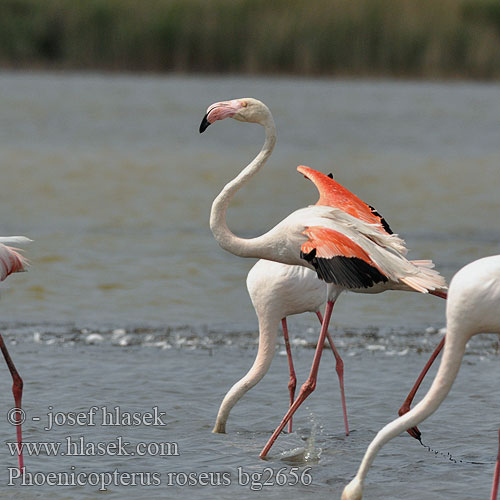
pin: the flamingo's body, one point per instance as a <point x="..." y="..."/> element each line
<point x="277" y="291"/>
<point x="347" y="244"/>
<point x="11" y="261"/>
<point x="472" y="307"/>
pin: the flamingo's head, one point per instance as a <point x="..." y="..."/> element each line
<point x="246" y="109"/>
<point x="353" y="491"/>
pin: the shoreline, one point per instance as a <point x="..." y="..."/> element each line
<point x="452" y="39"/>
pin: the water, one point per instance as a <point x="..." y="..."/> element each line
<point x="111" y="179"/>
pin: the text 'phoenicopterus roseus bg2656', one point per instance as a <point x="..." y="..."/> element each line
<point x="472" y="308"/>
<point x="277" y="291"/>
<point x="11" y="261"/>
<point x="344" y="240"/>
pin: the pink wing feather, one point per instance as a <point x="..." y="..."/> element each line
<point x="11" y="261"/>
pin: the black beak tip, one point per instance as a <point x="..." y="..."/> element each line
<point x="204" y="124"/>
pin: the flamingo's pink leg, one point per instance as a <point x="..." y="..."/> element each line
<point x="292" y="384"/>
<point x="308" y="386"/>
<point x="405" y="407"/>
<point x="496" y="476"/>
<point x="17" y="390"/>
<point x="339" y="368"/>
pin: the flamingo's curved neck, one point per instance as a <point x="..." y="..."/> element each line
<point x="226" y="239"/>
<point x="453" y="353"/>
<point x="268" y="334"/>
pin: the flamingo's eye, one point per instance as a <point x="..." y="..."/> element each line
<point x="244" y="104"/>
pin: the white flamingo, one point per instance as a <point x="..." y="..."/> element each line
<point x="11" y="261"/>
<point x="277" y="291"/>
<point x="472" y="307"/>
<point x="347" y="244"/>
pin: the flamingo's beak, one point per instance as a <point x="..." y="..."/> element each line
<point x="220" y="111"/>
<point x="204" y="124"/>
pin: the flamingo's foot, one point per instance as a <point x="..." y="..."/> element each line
<point x="414" y="431"/>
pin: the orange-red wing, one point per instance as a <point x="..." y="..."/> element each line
<point x="339" y="260"/>
<point x="330" y="243"/>
<point x="333" y="194"/>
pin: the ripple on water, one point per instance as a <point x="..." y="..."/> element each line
<point x="354" y="342"/>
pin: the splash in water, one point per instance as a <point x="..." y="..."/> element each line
<point x="309" y="453"/>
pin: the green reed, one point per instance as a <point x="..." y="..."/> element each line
<point x="410" y="38"/>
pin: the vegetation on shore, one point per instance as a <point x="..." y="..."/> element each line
<point x="411" y="38"/>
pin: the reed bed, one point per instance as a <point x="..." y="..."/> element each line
<point x="408" y="38"/>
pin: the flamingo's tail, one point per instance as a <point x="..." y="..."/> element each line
<point x="426" y="279"/>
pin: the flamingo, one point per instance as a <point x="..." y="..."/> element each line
<point x="347" y="243"/>
<point x="11" y="261"/>
<point x="277" y="291"/>
<point x="472" y="308"/>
